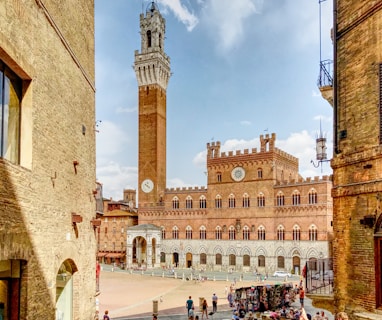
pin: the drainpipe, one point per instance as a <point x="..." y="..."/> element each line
<point x="335" y="99"/>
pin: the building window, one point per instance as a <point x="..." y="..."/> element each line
<point x="280" y="199"/>
<point x="202" y="202"/>
<point x="105" y="230"/>
<point x="261" y="200"/>
<point x="232" y="260"/>
<point x="218" y="233"/>
<point x="175" y="203"/>
<point x="296" y="198"/>
<point x="148" y="33"/>
<point x="296" y="233"/>
<point x="218" y="259"/>
<point x="163" y="233"/>
<point x="246" y="260"/>
<point x="246" y="233"/>
<point x="189" y="202"/>
<point x="312" y="197"/>
<point x="202" y="233"/>
<point x="175" y="233"/>
<point x="261" y="261"/>
<point x="218" y="202"/>
<point x="313" y="233"/>
<point x="219" y="177"/>
<point x="232" y="233"/>
<point x="260" y="173"/>
<point x="10" y="114"/>
<point x="189" y="232"/>
<point x="231" y="201"/>
<point x="280" y="262"/>
<point x="245" y="200"/>
<point x="280" y="233"/>
<point x="203" y="258"/>
<point x="261" y="233"/>
<point x="162" y="257"/>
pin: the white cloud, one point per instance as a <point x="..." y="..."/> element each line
<point x="126" y="110"/>
<point x="182" y="13"/>
<point x="227" y="19"/>
<point x="245" y="123"/>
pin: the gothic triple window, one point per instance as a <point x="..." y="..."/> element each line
<point x="175" y="203"/>
<point x="261" y="233"/>
<point x="175" y="232"/>
<point x="246" y="233"/>
<point x="232" y="233"/>
<point x="296" y="198"/>
<point x="202" y="233"/>
<point x="260" y="173"/>
<point x="296" y="233"/>
<point x="280" y="199"/>
<point x="188" y="202"/>
<point x="163" y="231"/>
<point x="312" y="233"/>
<point x="280" y="233"/>
<point x="245" y="200"/>
<point x="188" y="232"/>
<point x="202" y="202"/>
<point x="312" y="196"/>
<point x="218" y="233"/>
<point x="219" y="177"/>
<point x="231" y="201"/>
<point x="218" y="202"/>
<point x="261" y="200"/>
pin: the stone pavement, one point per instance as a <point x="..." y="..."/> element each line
<point x="130" y="295"/>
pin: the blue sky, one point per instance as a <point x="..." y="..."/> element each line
<point x="240" y="69"/>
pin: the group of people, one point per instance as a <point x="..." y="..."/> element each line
<point x="191" y="309"/>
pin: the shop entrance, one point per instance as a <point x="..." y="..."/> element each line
<point x="189" y="259"/>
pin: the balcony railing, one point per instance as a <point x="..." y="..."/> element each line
<point x="319" y="276"/>
<point x="325" y="78"/>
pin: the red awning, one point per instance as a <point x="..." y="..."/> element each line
<point x="115" y="255"/>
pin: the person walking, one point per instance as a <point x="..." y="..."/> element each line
<point x="189" y="305"/>
<point x="214" y="303"/>
<point x="204" y="309"/>
<point x="302" y="296"/>
<point x="106" y="315"/>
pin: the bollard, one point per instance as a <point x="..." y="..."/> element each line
<point x="227" y="278"/>
<point x="214" y="278"/>
<point x="155" y="307"/>
<point x="152" y="274"/>
<point x="162" y="274"/>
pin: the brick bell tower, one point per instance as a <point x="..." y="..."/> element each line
<point x="152" y="69"/>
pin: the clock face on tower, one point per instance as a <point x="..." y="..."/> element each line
<point x="147" y="185"/>
<point x="238" y="174"/>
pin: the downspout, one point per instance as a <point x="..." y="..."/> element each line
<point x="335" y="99"/>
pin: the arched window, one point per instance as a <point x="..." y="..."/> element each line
<point x="261" y="233"/>
<point x="202" y="202"/>
<point x="219" y="177"/>
<point x="203" y="258"/>
<point x="261" y="200"/>
<point x="188" y="232"/>
<point x="202" y="233"/>
<point x="246" y="260"/>
<point x="296" y="233"/>
<point x="160" y="40"/>
<point x="231" y="233"/>
<point x="232" y="260"/>
<point x="218" y="202"/>
<point x="280" y="262"/>
<point x="261" y="261"/>
<point x="280" y="199"/>
<point x="245" y="200"/>
<point x="218" y="259"/>
<point x="163" y="233"/>
<point x="313" y="233"/>
<point x="246" y="233"/>
<point x="188" y="202"/>
<point x="148" y="33"/>
<point x="231" y="201"/>
<point x="175" y="203"/>
<point x="260" y="173"/>
<point x="280" y="233"/>
<point x="296" y="198"/>
<point x="175" y="232"/>
<point x="218" y="233"/>
<point x="162" y="257"/>
<point x="312" y="196"/>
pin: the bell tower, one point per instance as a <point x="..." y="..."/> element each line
<point x="152" y="69"/>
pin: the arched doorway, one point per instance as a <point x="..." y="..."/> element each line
<point x="189" y="259"/>
<point x="140" y="251"/>
<point x="296" y="264"/>
<point x="64" y="290"/>
<point x="175" y="259"/>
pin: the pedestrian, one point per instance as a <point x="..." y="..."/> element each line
<point x="189" y="305"/>
<point x="96" y="316"/>
<point x="323" y="316"/>
<point x="317" y="316"/>
<point x="106" y="315"/>
<point x="191" y="314"/>
<point x="204" y="309"/>
<point x="155" y="317"/>
<point x="302" y="296"/>
<point x="214" y="303"/>
<point x="242" y="312"/>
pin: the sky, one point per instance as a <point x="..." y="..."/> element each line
<point x="240" y="69"/>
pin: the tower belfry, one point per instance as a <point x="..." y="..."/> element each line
<point x="152" y="69"/>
